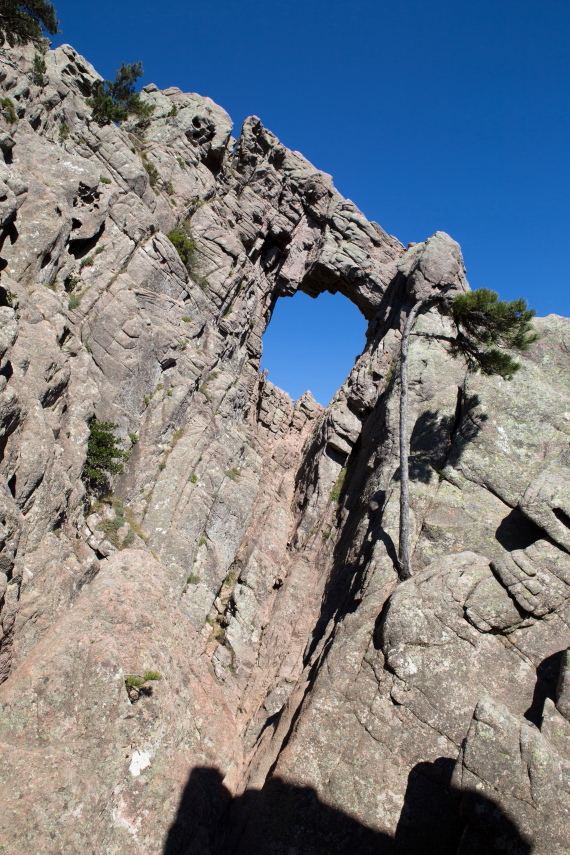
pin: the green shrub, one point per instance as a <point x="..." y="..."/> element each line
<point x="181" y="163"/>
<point x="134" y="438"/>
<point x="183" y="243"/>
<point x="169" y="188"/>
<point x="173" y="111"/>
<point x="233" y="474"/>
<point x="338" y="488"/>
<point x="204" y="392"/>
<point x="187" y="319"/>
<point x="129" y="539"/>
<point x="63" y="131"/>
<point x="193" y="579"/>
<point x="104" y="457"/>
<point x="152" y="675"/>
<point x="193" y="478"/>
<point x="152" y="171"/>
<point x="74" y="302"/>
<point x="134" y="682"/>
<point x="8" y="111"/>
<point x="38" y="70"/>
<point x="71" y="281"/>
<point x="202" y="541"/>
<point x="114" y="101"/>
<point x="104" y="180"/>
<point x="87" y="262"/>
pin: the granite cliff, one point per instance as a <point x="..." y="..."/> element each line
<point x="309" y="701"/>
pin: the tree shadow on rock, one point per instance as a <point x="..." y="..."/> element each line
<point x="437" y="440"/>
<point x="284" y="819"/>
<point x="439" y="819"/>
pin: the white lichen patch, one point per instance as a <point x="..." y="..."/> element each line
<point x="139" y="761"/>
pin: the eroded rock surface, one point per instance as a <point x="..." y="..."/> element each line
<point x="306" y="700"/>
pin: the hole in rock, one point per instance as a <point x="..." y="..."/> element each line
<point x="79" y="247"/>
<point x="517" y="532"/>
<point x="312" y="344"/>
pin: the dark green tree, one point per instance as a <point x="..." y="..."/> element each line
<point x="24" y="22"/>
<point x="104" y="457"/>
<point x="485" y="328"/>
<point x="114" y="101"/>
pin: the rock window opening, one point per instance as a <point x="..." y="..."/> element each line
<point x="312" y="344"/>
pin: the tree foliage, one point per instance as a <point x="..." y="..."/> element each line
<point x="114" y="101"/>
<point x="486" y="327"/>
<point x="24" y="22"/>
<point x="104" y="457"/>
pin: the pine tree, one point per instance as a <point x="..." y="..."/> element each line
<point x="24" y="22"/>
<point x="104" y="457"/>
<point x="114" y="101"/>
<point x="484" y="328"/>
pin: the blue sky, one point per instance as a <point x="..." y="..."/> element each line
<point x="429" y="114"/>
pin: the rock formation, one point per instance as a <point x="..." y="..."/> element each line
<point x="308" y="700"/>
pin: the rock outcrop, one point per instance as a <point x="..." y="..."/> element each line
<point x="300" y="699"/>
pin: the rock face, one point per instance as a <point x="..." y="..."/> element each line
<point x="303" y="699"/>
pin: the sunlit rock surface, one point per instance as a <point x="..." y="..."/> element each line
<point x="308" y="702"/>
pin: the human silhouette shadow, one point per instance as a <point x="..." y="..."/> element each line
<point x="284" y="819"/>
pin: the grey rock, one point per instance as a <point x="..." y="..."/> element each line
<point x="247" y="550"/>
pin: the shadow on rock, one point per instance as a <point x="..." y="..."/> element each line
<point x="283" y="819"/>
<point x="439" y="819"/>
<point x="547" y="674"/>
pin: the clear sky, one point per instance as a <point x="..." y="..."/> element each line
<point x="429" y="114"/>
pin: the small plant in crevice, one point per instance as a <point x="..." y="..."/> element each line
<point x="233" y="474"/>
<point x="134" y="437"/>
<point x="63" y="131"/>
<point x="137" y="687"/>
<point x="8" y="111"/>
<point x="152" y="171"/>
<point x="173" y="112"/>
<point x="74" y="302"/>
<point x="151" y="675"/>
<point x="180" y="237"/>
<point x="104" y="180"/>
<point x="71" y="282"/>
<point x="89" y="261"/>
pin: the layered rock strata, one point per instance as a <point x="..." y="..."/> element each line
<point x="308" y="701"/>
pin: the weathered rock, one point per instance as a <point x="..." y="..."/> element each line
<point x="307" y="701"/>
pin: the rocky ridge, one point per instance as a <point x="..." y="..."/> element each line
<point x="308" y="700"/>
